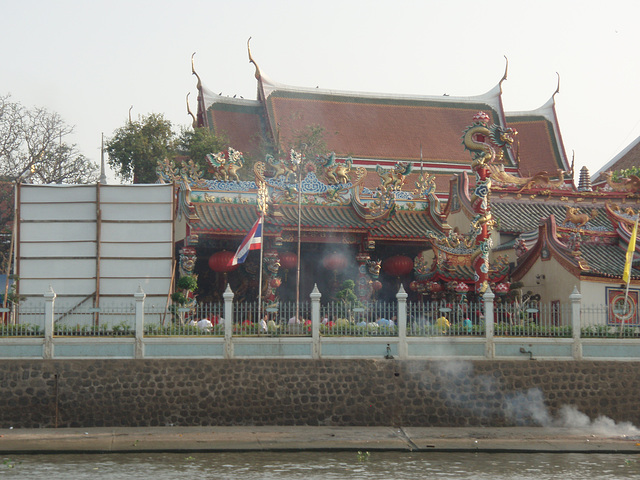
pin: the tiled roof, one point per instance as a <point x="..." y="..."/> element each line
<point x="606" y="260"/>
<point x="239" y="122"/>
<point x="536" y="145"/>
<point x="627" y="158"/>
<point x="590" y="260"/>
<point x="517" y="216"/>
<point x="237" y="219"/>
<point x="378" y="127"/>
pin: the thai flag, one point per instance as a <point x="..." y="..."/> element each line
<point x="253" y="241"/>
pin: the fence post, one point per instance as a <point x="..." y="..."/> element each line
<point x="49" y="300"/>
<point x="489" y="348"/>
<point x="228" y="322"/>
<point x="315" y="321"/>
<point x="402" y="296"/>
<point x="576" y="325"/>
<point x="139" y="297"/>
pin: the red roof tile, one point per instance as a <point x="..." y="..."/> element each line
<point x="536" y="145"/>
<point x="377" y="128"/>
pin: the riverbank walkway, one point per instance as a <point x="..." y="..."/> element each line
<point x="283" y="438"/>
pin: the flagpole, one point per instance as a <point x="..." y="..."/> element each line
<point x="260" y="274"/>
<point x="299" y="229"/>
<point x="629" y="261"/>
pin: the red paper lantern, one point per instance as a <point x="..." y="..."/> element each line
<point x="221" y="262"/>
<point x="398" y="265"/>
<point x="288" y="260"/>
<point x="435" y="287"/>
<point x="502" y="288"/>
<point x="377" y="285"/>
<point x="462" y="287"/>
<point x="335" y="262"/>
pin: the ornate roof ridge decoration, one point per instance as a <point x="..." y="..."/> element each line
<point x="426" y="187"/>
<point x="201" y="119"/>
<point x="629" y="185"/>
<point x="383" y="200"/>
<point x="549" y="246"/>
<point x="460" y="196"/>
<point x="541" y="180"/>
<point x="280" y="174"/>
<point x="455" y="264"/>
<point x="224" y="166"/>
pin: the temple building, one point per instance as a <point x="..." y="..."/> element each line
<point x="444" y="195"/>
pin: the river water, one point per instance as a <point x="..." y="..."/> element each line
<point x="322" y="466"/>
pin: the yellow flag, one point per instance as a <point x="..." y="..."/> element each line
<point x="626" y="276"/>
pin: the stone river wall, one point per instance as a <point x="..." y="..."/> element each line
<point x="87" y="393"/>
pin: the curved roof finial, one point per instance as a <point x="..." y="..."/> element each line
<point x="193" y="72"/>
<point x="558" y="87"/>
<point x="251" y="60"/>
<point x="506" y="69"/>
<point x="130" y="108"/>
<point x="194" y="122"/>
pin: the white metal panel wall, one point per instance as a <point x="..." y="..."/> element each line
<point x="58" y="241"/>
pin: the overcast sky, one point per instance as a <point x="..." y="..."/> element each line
<point x="90" y="61"/>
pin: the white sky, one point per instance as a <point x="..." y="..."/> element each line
<point x="91" y="60"/>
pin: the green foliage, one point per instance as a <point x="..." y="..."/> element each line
<point x="347" y="295"/>
<point x="178" y="298"/>
<point x="197" y="144"/>
<point x="310" y="141"/>
<point x="188" y="282"/>
<point x="625" y="173"/>
<point x="136" y="148"/>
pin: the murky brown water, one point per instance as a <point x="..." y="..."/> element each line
<point x="323" y="466"/>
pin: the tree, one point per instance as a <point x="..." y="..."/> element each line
<point x="136" y="148"/>
<point x="310" y="141"/>
<point x="626" y="173"/>
<point x="32" y="147"/>
<point x="198" y="143"/>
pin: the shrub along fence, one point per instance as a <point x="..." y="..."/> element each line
<point x="245" y="329"/>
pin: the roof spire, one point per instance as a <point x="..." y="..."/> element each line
<point x="506" y="69"/>
<point x="584" y="184"/>
<point x="103" y="176"/>
<point x="194" y="120"/>
<point x="558" y="87"/>
<point x="193" y="72"/>
<point x="251" y="60"/>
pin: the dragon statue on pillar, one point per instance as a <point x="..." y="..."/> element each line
<point x="482" y="140"/>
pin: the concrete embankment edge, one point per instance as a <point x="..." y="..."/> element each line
<point x="219" y="439"/>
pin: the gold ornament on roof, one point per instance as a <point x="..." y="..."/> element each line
<point x="630" y="184"/>
<point x="580" y="219"/>
<point x="540" y="179"/>
<point x="225" y="167"/>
